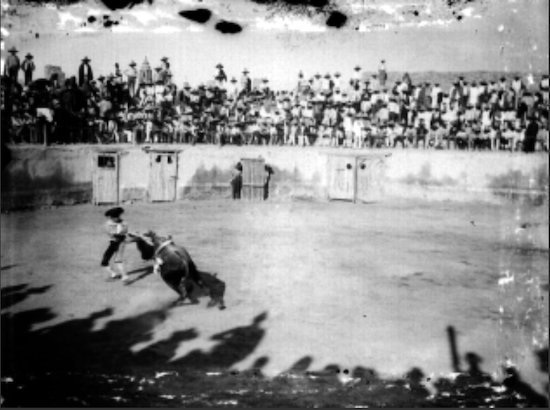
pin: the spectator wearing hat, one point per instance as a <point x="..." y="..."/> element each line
<point x="117" y="230"/>
<point x="464" y="92"/>
<point x="374" y="84"/>
<point x="383" y="114"/>
<point x="347" y="124"/>
<point x="437" y="95"/>
<point x="28" y="68"/>
<point x="337" y="81"/>
<point x="518" y="87"/>
<point x="246" y="82"/>
<point x="503" y="84"/>
<point x="421" y="134"/>
<point x="317" y="83"/>
<point x="394" y="110"/>
<point x="131" y="78"/>
<point x="474" y="94"/>
<point x="382" y="73"/>
<point x="357" y="129"/>
<point x="455" y="93"/>
<point x="237" y="181"/>
<point x="494" y="136"/>
<point x="396" y="135"/>
<point x="13" y="64"/>
<point x="264" y="86"/>
<point x="158" y="76"/>
<point x="326" y="84"/>
<point x="509" y="137"/>
<point x="85" y="72"/>
<point x="409" y="134"/>
<point x="221" y="77"/>
<point x="356" y="77"/>
<point x="531" y="134"/>
<point x="233" y="89"/>
<point x="164" y="64"/>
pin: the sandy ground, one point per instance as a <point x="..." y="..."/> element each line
<point x="310" y="287"/>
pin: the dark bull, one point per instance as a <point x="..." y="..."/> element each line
<point x="177" y="269"/>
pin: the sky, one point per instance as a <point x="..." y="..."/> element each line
<point x="411" y="35"/>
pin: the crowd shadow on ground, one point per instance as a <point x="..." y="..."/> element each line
<point x="8" y="267"/>
<point x="70" y="363"/>
<point x="11" y="295"/>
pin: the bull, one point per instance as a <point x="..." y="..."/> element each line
<point x="176" y="268"/>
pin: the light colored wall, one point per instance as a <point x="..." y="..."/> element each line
<point x="45" y="176"/>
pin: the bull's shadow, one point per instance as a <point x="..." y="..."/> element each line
<point x="139" y="274"/>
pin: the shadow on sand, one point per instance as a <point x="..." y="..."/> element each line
<point x="71" y="364"/>
<point x="12" y="295"/>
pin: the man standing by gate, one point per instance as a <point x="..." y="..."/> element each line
<point x="237" y="181"/>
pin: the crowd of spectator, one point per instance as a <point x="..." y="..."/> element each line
<point x="145" y="106"/>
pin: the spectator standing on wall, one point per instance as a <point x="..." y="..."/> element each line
<point x="85" y="73"/>
<point x="221" y="77"/>
<point x="131" y="76"/>
<point x="28" y="68"/>
<point x="12" y="65"/>
<point x="382" y="74"/>
<point x="246" y="82"/>
<point x="356" y="75"/>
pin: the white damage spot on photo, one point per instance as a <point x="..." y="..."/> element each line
<point x="289" y="23"/>
<point x="166" y="30"/>
<point x="68" y="20"/>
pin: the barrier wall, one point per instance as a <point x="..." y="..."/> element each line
<point x="39" y="176"/>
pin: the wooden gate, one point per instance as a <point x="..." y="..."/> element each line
<point x="369" y="178"/>
<point x="253" y="179"/>
<point x="163" y="173"/>
<point x="341" y="177"/>
<point x="106" y="178"/>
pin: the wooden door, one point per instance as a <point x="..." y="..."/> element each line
<point x="163" y="176"/>
<point x="370" y="174"/>
<point x="254" y="174"/>
<point x="341" y="177"/>
<point x="106" y="178"/>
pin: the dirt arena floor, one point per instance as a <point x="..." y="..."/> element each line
<point x="328" y="304"/>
